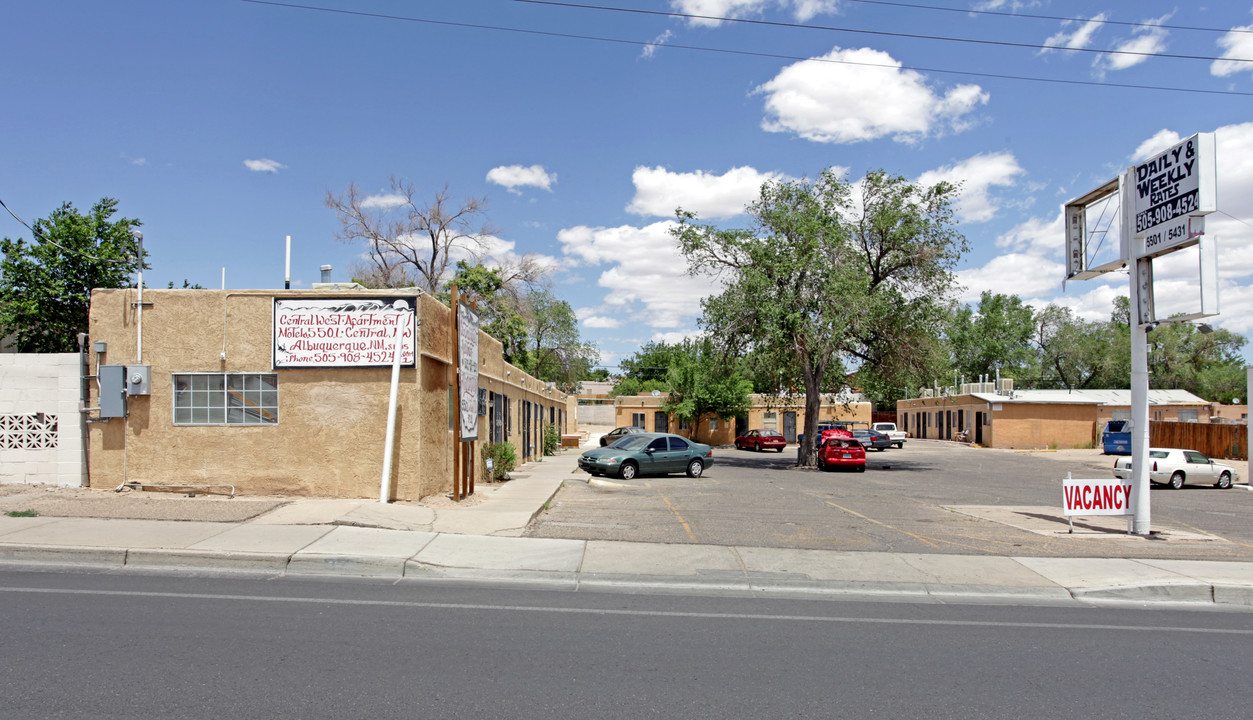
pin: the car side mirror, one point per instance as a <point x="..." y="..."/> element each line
<point x="648" y="451"/>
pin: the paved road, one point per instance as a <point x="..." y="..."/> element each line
<point x="908" y="500"/>
<point x="133" y="646"/>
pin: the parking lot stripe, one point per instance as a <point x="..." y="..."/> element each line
<point x="686" y="527"/>
<point x="905" y="532"/>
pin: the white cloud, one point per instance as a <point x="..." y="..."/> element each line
<point x="647" y="277"/>
<point x="1145" y="41"/>
<point x="139" y="161"/>
<point x="601" y="321"/>
<point x="838" y="99"/>
<point x="1035" y="236"/>
<point x="802" y="10"/>
<point x="513" y="177"/>
<point x="1021" y="274"/>
<point x="671" y="338"/>
<point x="1161" y="140"/>
<point x="384" y="202"/>
<point x="658" y="192"/>
<point x="1236" y="44"/>
<point x="1079" y="35"/>
<point x="651" y="49"/>
<point x="977" y="176"/>
<point x="264" y="165"/>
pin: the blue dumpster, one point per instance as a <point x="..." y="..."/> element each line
<point x="1116" y="439"/>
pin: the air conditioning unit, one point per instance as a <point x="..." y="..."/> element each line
<point x="1007" y="386"/>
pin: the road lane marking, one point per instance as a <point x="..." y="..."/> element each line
<point x="686" y="527"/>
<point x="906" y="532"/>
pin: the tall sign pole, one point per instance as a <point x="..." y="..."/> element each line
<point x="1141" y="316"/>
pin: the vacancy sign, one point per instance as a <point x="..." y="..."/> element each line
<point x="1107" y="496"/>
<point x="1172" y="190"/>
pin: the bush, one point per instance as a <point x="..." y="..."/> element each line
<point x="503" y="458"/>
<point x="552" y="439"/>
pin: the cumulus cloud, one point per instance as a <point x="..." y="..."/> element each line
<point x="1022" y="274"/>
<point x="977" y="176"/>
<point x="513" y="177"/>
<point x="601" y="321"/>
<point x="712" y="10"/>
<point x="646" y="274"/>
<point x="1161" y="140"/>
<point x="384" y="202"/>
<point x="658" y="191"/>
<point x="1135" y="49"/>
<point x="264" y="165"/>
<point x="1235" y="44"/>
<point x="1075" y="34"/>
<point x="838" y="98"/>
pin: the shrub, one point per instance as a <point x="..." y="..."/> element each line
<point x="552" y="439"/>
<point x="503" y="458"/>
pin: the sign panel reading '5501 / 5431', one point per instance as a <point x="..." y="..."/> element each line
<point x="343" y="332"/>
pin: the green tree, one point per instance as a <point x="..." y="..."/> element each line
<point x="995" y="335"/>
<point x="555" y="352"/>
<point x="819" y="276"/>
<point x="45" y="285"/>
<point x="629" y="386"/>
<point x="498" y="309"/>
<point x="703" y="385"/>
<point x="652" y="362"/>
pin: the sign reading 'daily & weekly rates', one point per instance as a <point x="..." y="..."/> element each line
<point x="1172" y="190"/>
<point x="342" y="332"/>
<point x="1106" y="496"/>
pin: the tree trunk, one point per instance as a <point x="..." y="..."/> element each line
<point x="813" y="404"/>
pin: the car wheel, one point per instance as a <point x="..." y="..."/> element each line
<point x="738" y="446"/>
<point x="780" y="448"/>
<point x="695" y="468"/>
<point x="822" y="465"/>
<point x="861" y="468"/>
<point x="1176" y="480"/>
<point x="1224" y="480"/>
<point x="628" y="470"/>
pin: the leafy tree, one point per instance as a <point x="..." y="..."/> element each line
<point x="704" y="384"/>
<point x="820" y="276"/>
<point x="652" y="362"/>
<point x="997" y="335"/>
<point x="498" y="310"/>
<point x="45" y="288"/>
<point x="629" y="386"/>
<point x="555" y="352"/>
<point x="409" y="242"/>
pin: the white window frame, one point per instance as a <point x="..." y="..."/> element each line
<point x="230" y="399"/>
<point x="639" y="420"/>
<point x="770" y="420"/>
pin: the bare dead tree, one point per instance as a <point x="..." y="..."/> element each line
<point x="406" y="240"/>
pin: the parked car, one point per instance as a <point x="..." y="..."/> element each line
<point x="873" y="439"/>
<point x="823" y="428"/>
<point x="889" y="429"/>
<point x="761" y="440"/>
<point x="616" y="433"/>
<point x="1174" y="467"/>
<point x="648" y="454"/>
<point x="844" y="452"/>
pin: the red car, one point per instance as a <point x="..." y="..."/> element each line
<point x="761" y="440"/>
<point x="842" y="452"/>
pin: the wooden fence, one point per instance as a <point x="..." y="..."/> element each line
<point x="1216" y="441"/>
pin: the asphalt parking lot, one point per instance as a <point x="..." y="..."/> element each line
<point x="929" y="497"/>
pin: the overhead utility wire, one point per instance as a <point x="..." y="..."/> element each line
<point x="966" y="11"/>
<point x="36" y="234"/>
<point x="885" y="33"/>
<point x="749" y="53"/>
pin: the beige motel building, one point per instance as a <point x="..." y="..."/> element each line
<point x="766" y="412"/>
<point x="1036" y="418"/>
<point x="287" y="392"/>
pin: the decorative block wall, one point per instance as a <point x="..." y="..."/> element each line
<point x="41" y="435"/>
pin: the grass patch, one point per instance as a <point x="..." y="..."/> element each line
<point x="22" y="513"/>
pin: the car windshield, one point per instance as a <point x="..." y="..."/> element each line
<point x="631" y="442"/>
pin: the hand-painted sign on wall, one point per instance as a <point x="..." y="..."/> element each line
<point x="468" y="362"/>
<point x="342" y="332"/>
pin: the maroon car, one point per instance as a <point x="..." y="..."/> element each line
<point x="842" y="452"/>
<point x="761" y="440"/>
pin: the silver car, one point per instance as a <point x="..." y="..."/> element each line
<point x="1174" y="467"/>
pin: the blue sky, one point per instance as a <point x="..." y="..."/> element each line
<point x="222" y="124"/>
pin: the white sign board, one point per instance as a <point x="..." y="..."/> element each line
<point x="342" y="332"/>
<point x="468" y="363"/>
<point x="1169" y="187"/>
<point x="1107" y="496"/>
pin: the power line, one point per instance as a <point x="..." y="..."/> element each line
<point x="748" y="53"/>
<point x="884" y="33"/>
<point x="44" y="238"/>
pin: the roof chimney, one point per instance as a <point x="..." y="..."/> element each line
<point x="326" y="273"/>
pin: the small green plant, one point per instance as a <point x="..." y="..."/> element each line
<point x="504" y="459"/>
<point x="552" y="439"/>
<point x="22" y="513"/>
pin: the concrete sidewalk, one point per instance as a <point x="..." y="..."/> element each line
<point x="483" y="541"/>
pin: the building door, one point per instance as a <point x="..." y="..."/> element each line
<point x="948" y="424"/>
<point x="661" y="423"/>
<point x="979" y="428"/>
<point x="789" y="426"/>
<point x="741" y="426"/>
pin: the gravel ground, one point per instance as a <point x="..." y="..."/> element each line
<point x="53" y="501"/>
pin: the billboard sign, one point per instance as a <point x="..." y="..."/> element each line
<point x="1168" y="189"/>
<point x="468" y="375"/>
<point x="342" y="332"/>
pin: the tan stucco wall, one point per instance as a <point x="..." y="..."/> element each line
<point x="332" y="421"/>
<point x="725" y="432"/>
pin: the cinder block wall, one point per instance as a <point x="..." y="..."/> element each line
<point x="41" y="430"/>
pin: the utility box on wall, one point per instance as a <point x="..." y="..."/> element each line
<point x="138" y="379"/>
<point x="112" y="379"/>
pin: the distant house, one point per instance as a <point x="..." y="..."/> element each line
<point x="786" y="414"/>
<point x="1008" y="418"/>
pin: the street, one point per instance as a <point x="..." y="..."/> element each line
<point x="114" y="645"/>
<point x="915" y="499"/>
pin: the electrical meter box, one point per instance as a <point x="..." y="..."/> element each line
<point x="138" y="379"/>
<point x="112" y="379"/>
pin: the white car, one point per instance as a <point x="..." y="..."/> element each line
<point x="889" y="429"/>
<point x="1175" y="467"/>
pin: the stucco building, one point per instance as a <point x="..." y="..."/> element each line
<point x="786" y="414"/>
<point x="287" y="392"/>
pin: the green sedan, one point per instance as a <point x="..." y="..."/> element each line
<point x="648" y="454"/>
